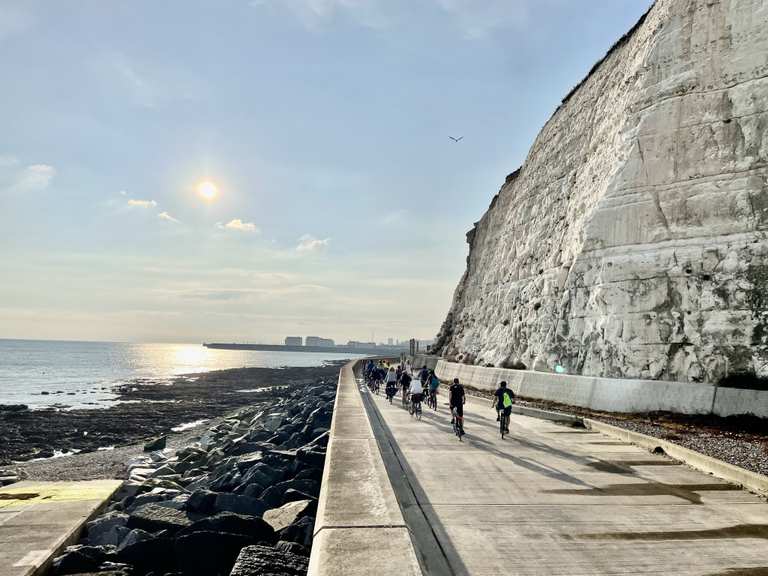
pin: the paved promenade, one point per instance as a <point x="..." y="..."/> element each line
<point x="559" y="501"/>
<point x="37" y="519"/>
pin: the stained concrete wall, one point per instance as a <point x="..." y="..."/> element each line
<point x="610" y="394"/>
<point x="633" y="242"/>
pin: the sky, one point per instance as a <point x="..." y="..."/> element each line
<point x="341" y="203"/>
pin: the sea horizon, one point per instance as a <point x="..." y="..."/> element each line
<point x="83" y="374"/>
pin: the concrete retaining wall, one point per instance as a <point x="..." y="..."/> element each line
<point x="609" y="394"/>
<point x="359" y="528"/>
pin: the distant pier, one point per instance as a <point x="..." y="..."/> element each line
<point x="369" y="351"/>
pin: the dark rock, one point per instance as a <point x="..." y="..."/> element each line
<point x="156" y="444"/>
<point x="149" y="554"/>
<point x="264" y="561"/>
<point x="292" y="495"/>
<point x="292" y="547"/>
<point x="239" y="504"/>
<point x="208" y="553"/>
<point x="299" y="532"/>
<point x="310" y="473"/>
<point x="108" y="529"/>
<point x="154" y="518"/>
<point x="202" y="501"/>
<point x="77" y="559"/>
<point x="252" y="526"/>
<point x="134" y="536"/>
<point x="313" y="457"/>
<point x="13" y="407"/>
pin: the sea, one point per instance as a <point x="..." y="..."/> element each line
<point x="44" y="373"/>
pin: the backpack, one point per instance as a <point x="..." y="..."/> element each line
<point x="508" y="398"/>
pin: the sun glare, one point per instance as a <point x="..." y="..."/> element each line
<point x="208" y="190"/>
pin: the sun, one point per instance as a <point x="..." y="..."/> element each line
<point x="208" y="190"/>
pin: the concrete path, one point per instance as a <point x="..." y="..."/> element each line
<point x="559" y="501"/>
<point x="37" y="519"/>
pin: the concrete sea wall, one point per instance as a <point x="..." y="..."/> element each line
<point x="609" y="394"/>
<point x="632" y="241"/>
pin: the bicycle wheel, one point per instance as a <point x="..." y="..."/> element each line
<point x="502" y="424"/>
<point x="418" y="411"/>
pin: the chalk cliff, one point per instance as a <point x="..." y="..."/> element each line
<point x="632" y="242"/>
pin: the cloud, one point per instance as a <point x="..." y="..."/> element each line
<point x="239" y="225"/>
<point x="309" y="243"/>
<point x="36" y="177"/>
<point x="478" y="18"/>
<point x="149" y="84"/>
<point x="168" y="218"/>
<point x="141" y="203"/>
<point x="315" y="14"/>
<point x="396" y="218"/>
<point x="14" y="20"/>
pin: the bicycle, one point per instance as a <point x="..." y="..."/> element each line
<point x="503" y="423"/>
<point x="405" y="399"/>
<point x="415" y="409"/>
<point x="432" y="399"/>
<point x="456" y="421"/>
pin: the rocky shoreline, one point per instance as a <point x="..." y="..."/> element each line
<point x="144" y="408"/>
<point x="240" y="498"/>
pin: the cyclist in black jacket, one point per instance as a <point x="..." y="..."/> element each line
<point x="457" y="398"/>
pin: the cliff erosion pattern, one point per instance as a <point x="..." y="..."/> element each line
<point x="632" y="242"/>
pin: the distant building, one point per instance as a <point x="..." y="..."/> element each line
<point x="317" y="341"/>
<point x="356" y="344"/>
<point x="390" y="342"/>
<point x="294" y="341"/>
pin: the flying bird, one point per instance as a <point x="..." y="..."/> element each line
<point x="456" y="139"/>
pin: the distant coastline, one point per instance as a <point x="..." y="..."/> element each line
<point x="373" y="350"/>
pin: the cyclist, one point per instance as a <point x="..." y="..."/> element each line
<point x="417" y="393"/>
<point x="390" y="380"/>
<point x="434" y="383"/>
<point x="424" y="374"/>
<point x="405" y="383"/>
<point x="456" y="399"/>
<point x="503" y="399"/>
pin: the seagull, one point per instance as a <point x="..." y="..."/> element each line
<point x="456" y="139"/>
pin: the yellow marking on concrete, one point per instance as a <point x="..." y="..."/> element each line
<point x="26" y="494"/>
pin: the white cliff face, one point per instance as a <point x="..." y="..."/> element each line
<point x="632" y="242"/>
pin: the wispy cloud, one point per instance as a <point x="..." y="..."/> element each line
<point x="478" y="18"/>
<point x="15" y="177"/>
<point x="168" y="218"/>
<point x="149" y="85"/>
<point x="474" y="18"/>
<point x="239" y="226"/>
<point x="14" y="20"/>
<point x="395" y="218"/>
<point x="141" y="203"/>
<point x="315" y="14"/>
<point x="308" y="243"/>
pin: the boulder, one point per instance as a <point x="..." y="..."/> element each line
<point x="108" y="529"/>
<point x="239" y="504"/>
<point x="202" y="501"/>
<point x="153" y="518"/>
<point x="300" y="531"/>
<point x="255" y="528"/>
<point x="156" y="444"/>
<point x="287" y="514"/>
<point x="292" y="547"/>
<point x="78" y="559"/>
<point x="264" y="561"/>
<point x="148" y="553"/>
<point x="207" y="553"/>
